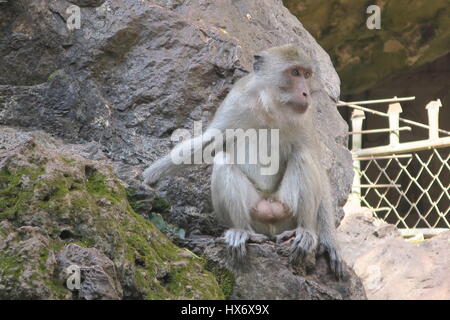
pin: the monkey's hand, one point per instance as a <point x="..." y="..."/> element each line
<point x="335" y="259"/>
<point x="304" y="244"/>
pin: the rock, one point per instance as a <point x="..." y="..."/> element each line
<point x="87" y="3"/>
<point x="402" y="270"/>
<point x="137" y="70"/>
<point x="389" y="266"/>
<point x="267" y="274"/>
<point x="59" y="209"/>
<point x="359" y="232"/>
<point x="98" y="272"/>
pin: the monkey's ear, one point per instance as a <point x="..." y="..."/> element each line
<point x="257" y="63"/>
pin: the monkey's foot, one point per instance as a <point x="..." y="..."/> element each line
<point x="235" y="240"/>
<point x="304" y="244"/>
<point x="335" y="259"/>
<point x="257" y="238"/>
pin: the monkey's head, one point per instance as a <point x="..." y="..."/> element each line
<point x="285" y="73"/>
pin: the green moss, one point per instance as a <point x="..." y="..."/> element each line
<point x="11" y="266"/>
<point x="57" y="289"/>
<point x="68" y="160"/>
<point x="92" y="204"/>
<point x="224" y="277"/>
<point x="96" y="183"/>
<point x="14" y="195"/>
<point x="86" y="243"/>
<point x="160" y="205"/>
<point x="150" y="255"/>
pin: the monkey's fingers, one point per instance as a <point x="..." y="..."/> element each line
<point x="297" y="255"/>
<point x="257" y="238"/>
<point x="286" y="235"/>
<point x="237" y="253"/>
<point x="235" y="240"/>
<point x="336" y="264"/>
<point x="303" y="244"/>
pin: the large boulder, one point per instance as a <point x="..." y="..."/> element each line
<point x="58" y="209"/>
<point x="138" y="70"/>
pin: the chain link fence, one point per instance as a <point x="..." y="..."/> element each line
<point x="410" y="190"/>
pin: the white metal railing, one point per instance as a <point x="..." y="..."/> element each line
<point x="407" y="183"/>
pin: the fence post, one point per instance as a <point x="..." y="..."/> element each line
<point x="394" y="120"/>
<point x="358" y="117"/>
<point x="433" y="118"/>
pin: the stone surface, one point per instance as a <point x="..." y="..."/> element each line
<point x="391" y="267"/>
<point x="359" y="232"/>
<point x="58" y="209"/>
<point x="99" y="279"/>
<point x="138" y="70"/>
<point x="407" y="271"/>
<point x="267" y="274"/>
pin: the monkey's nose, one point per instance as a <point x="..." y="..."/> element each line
<point x="305" y="94"/>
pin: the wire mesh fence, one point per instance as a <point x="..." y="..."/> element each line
<point x="408" y="190"/>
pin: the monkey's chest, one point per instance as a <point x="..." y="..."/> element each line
<point x="264" y="183"/>
<point x="263" y="161"/>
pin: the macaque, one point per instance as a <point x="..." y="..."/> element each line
<point x="292" y="202"/>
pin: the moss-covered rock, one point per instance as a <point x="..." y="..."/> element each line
<point x="50" y="199"/>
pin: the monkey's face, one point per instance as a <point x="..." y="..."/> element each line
<point x="295" y="88"/>
<point x="284" y="75"/>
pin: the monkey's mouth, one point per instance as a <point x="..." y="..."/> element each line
<point x="299" y="107"/>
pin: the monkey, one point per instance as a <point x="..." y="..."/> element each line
<point x="293" y="203"/>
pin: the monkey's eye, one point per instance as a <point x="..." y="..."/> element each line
<point x="295" y="72"/>
<point x="308" y="74"/>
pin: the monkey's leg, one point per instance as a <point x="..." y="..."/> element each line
<point x="327" y="239"/>
<point x="233" y="196"/>
<point x="300" y="191"/>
